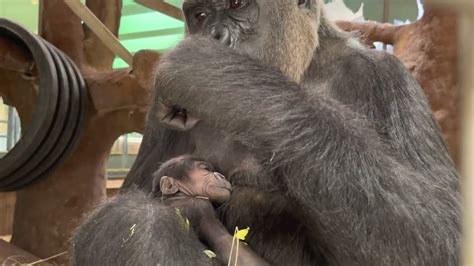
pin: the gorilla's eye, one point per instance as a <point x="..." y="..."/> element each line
<point x="236" y="4"/>
<point x="200" y="16"/>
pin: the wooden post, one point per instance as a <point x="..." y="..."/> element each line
<point x="467" y="32"/>
<point x="466" y="14"/>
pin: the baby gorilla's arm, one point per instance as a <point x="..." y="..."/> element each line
<point x="201" y="215"/>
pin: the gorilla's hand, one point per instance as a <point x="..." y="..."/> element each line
<point x="175" y="117"/>
<point x="220" y="86"/>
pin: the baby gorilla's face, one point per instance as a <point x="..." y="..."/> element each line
<point x="210" y="184"/>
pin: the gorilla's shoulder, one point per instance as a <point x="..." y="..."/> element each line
<point x="371" y="63"/>
<point x="369" y="75"/>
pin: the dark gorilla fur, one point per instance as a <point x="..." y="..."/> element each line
<point x="134" y="225"/>
<point x="332" y="147"/>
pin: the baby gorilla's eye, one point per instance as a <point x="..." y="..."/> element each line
<point x="236" y="4"/>
<point x="204" y="167"/>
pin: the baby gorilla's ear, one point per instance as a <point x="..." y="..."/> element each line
<point x="168" y="185"/>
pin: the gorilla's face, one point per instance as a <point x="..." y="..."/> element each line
<point x="230" y="22"/>
<point x="281" y="33"/>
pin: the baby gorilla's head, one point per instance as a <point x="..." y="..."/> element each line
<point x="192" y="177"/>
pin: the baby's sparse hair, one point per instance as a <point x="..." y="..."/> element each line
<point x="177" y="168"/>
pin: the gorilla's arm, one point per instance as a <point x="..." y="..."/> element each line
<point x="330" y="162"/>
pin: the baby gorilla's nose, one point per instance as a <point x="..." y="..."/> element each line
<point x="219" y="175"/>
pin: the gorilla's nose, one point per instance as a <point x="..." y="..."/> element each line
<point x="221" y="33"/>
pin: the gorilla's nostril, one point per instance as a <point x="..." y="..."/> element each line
<point x="221" y="34"/>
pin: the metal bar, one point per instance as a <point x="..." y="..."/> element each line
<point x="385" y="17"/>
<point x="10" y="129"/>
<point x="40" y="17"/>
<point x="124" y="151"/>
<point x="386" y="11"/>
<point x="16" y="126"/>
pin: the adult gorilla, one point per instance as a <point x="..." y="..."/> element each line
<point x="332" y="146"/>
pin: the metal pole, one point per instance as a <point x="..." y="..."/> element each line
<point x="125" y="151"/>
<point x="40" y="16"/>
<point x="10" y="129"/>
<point x="386" y="11"/>
<point x="385" y="17"/>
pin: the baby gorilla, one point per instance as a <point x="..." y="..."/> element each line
<point x="189" y="185"/>
<point x="185" y="183"/>
<point x="185" y="176"/>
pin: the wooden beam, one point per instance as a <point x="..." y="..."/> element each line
<point x="162" y="7"/>
<point x="100" y="30"/>
<point x="467" y="58"/>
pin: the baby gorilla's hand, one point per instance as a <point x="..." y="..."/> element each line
<point x="199" y="212"/>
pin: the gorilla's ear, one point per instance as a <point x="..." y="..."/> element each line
<point x="168" y="185"/>
<point x="304" y="3"/>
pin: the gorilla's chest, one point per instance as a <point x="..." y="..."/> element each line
<point x="231" y="158"/>
<point x="275" y="232"/>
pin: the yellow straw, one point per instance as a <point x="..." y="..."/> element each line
<point x="232" y="247"/>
